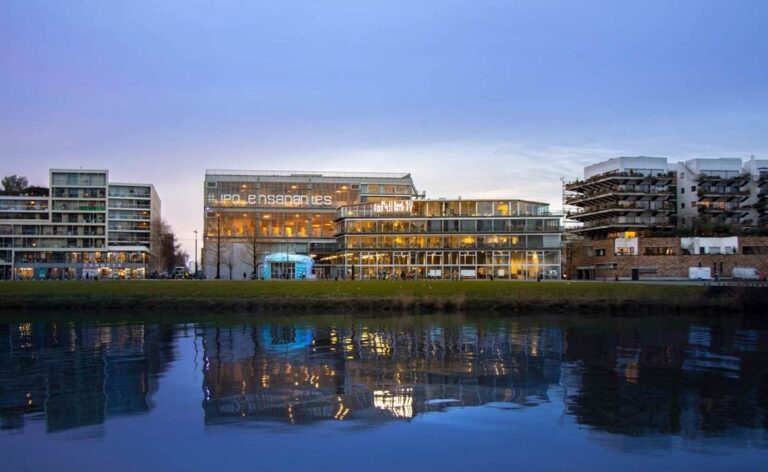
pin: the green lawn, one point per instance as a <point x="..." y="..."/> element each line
<point x="554" y="292"/>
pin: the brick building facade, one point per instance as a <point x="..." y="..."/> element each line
<point x="663" y="258"/>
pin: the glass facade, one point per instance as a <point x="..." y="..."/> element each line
<point x="443" y="239"/>
<point x="251" y="214"/>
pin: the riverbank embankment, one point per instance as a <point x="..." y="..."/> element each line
<point x="502" y="297"/>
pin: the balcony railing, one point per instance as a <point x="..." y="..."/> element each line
<point x="722" y="192"/>
<point x="619" y="189"/>
<point x="621" y="206"/>
<point x="609" y="175"/>
<point x="629" y="220"/>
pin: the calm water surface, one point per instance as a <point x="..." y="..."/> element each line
<point x="443" y="392"/>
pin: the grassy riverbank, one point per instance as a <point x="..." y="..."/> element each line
<point x="371" y="296"/>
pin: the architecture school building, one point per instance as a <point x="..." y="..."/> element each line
<point x="315" y="225"/>
<point x="81" y="226"/>
<point x="448" y="239"/>
<point x="257" y="223"/>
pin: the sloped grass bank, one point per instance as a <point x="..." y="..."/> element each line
<point x="503" y="297"/>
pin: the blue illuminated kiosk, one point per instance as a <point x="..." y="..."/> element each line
<point x="281" y="265"/>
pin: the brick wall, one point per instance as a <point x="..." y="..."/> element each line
<point x="582" y="254"/>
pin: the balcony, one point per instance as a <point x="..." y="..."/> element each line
<point x="620" y="208"/>
<point x="722" y="193"/>
<point x="722" y="208"/>
<point x="626" y="222"/>
<point x="610" y="178"/>
<point x="725" y="178"/>
<point x="620" y="192"/>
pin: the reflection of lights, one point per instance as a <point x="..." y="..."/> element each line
<point x="399" y="402"/>
<point x="25" y="329"/>
<point x="342" y="412"/>
<point x="632" y="372"/>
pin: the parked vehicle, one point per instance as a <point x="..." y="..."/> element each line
<point x="746" y="273"/>
<point x="179" y="272"/>
<point x="699" y="273"/>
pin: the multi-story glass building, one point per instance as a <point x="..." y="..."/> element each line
<point x="252" y="214"/>
<point x="506" y="239"/>
<point x="82" y="226"/>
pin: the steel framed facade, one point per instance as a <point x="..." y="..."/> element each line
<point x="445" y="239"/>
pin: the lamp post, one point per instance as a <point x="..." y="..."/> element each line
<point x="195" y="231"/>
<point x="218" y="246"/>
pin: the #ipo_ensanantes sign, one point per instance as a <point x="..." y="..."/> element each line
<point x="271" y="200"/>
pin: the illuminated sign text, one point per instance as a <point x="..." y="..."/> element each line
<point x="395" y="206"/>
<point x="270" y="200"/>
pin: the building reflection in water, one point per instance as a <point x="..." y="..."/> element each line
<point x="692" y="382"/>
<point x="634" y="384"/>
<point x="302" y="373"/>
<point x="77" y="374"/>
<point x="623" y="377"/>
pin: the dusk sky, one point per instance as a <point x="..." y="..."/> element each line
<point x="473" y="98"/>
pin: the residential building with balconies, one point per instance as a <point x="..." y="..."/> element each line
<point x="712" y="191"/>
<point x="80" y="227"/>
<point x="622" y="197"/>
<point x="758" y="193"/>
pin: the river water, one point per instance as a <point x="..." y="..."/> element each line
<point x="454" y="392"/>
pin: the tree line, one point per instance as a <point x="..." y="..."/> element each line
<point x="19" y="185"/>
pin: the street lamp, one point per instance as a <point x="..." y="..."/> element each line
<point x="218" y="246"/>
<point x="195" y="231"/>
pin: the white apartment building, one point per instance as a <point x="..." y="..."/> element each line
<point x="82" y="226"/>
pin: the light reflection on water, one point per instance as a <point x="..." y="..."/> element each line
<point x="626" y="385"/>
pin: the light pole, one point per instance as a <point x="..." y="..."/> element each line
<point x="218" y="246"/>
<point x="195" y="231"/>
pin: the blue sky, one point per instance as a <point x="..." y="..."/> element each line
<point x="474" y="98"/>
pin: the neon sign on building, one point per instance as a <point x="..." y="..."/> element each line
<point x="395" y="206"/>
<point x="270" y="200"/>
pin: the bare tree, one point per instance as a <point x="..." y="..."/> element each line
<point x="226" y="257"/>
<point x="252" y="253"/>
<point x="210" y="252"/>
<point x="170" y="254"/>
